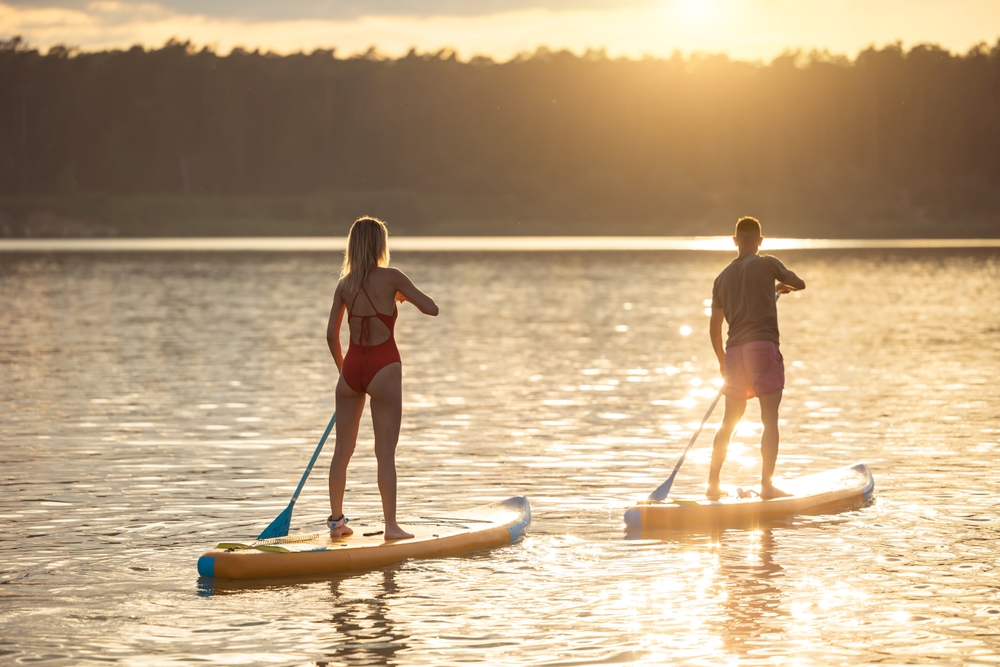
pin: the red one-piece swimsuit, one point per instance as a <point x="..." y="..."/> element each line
<point x="363" y="361"/>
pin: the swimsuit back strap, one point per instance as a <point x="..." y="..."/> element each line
<point x="364" y="336"/>
<point x="367" y="296"/>
<point x="350" y="311"/>
<point x="361" y="288"/>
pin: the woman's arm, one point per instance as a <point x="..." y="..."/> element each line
<point x="333" y="328"/>
<point x="409" y="292"/>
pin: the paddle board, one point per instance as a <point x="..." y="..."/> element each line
<point x="836" y="490"/>
<point x="485" y="527"/>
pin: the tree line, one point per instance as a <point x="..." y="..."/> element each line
<point x="892" y="142"/>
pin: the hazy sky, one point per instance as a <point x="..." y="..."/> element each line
<point x="746" y="29"/>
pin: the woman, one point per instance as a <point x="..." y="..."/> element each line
<point x="367" y="292"/>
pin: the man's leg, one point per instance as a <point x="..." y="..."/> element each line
<point x="733" y="413"/>
<point x="769" y="443"/>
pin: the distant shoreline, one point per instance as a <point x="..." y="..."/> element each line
<point x="897" y="143"/>
<point x="475" y="244"/>
<point x="414" y="214"/>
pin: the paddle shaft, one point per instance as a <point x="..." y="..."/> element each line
<point x="663" y="489"/>
<point x="279" y="527"/>
<point x="312" y="461"/>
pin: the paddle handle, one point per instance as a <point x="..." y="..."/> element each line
<point x="312" y="461"/>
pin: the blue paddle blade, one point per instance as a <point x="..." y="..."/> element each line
<point x="663" y="490"/>
<point x="279" y="527"/>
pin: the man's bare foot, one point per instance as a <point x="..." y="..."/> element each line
<point x="714" y="493"/>
<point x="770" y="491"/>
<point x="396" y="533"/>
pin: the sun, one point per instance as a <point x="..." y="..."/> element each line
<point x="695" y="11"/>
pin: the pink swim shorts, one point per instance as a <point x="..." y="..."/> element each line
<point x="754" y="369"/>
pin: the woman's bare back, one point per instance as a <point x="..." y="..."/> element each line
<point x="377" y="295"/>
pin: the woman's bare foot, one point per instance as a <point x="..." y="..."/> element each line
<point x="339" y="528"/>
<point x="341" y="531"/>
<point x="770" y="491"/>
<point x="396" y="533"/>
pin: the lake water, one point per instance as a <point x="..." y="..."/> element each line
<point x="153" y="404"/>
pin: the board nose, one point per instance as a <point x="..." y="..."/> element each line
<point x="518" y="529"/>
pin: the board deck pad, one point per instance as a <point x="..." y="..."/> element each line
<point x="835" y="490"/>
<point x="484" y="527"/>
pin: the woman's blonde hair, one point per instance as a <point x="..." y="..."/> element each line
<point x="367" y="247"/>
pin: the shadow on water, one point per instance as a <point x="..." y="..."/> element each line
<point x="369" y="636"/>
<point x="745" y="583"/>
<point x="366" y="633"/>
<point x="208" y="586"/>
<point x="752" y="601"/>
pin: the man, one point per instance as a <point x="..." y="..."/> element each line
<point x="751" y="365"/>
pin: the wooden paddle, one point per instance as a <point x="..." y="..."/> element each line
<point x="279" y="527"/>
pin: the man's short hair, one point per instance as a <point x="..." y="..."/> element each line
<point x="748" y="227"/>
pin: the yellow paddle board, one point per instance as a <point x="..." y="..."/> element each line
<point x="836" y="490"/>
<point x="485" y="527"/>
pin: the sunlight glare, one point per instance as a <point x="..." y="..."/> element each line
<point x="696" y="11"/>
<point x="900" y="616"/>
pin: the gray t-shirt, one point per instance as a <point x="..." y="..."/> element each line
<point x="745" y="292"/>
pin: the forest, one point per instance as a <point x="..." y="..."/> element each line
<point x="181" y="141"/>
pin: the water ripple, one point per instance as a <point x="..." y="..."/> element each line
<point x="155" y="404"/>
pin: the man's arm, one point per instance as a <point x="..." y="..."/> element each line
<point x="791" y="283"/>
<point x="715" y="332"/>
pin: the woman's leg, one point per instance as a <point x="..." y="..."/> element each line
<point x="386" y="390"/>
<point x="350" y="405"/>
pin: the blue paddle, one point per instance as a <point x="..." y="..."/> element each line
<point x="663" y="489"/>
<point x="279" y="527"/>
